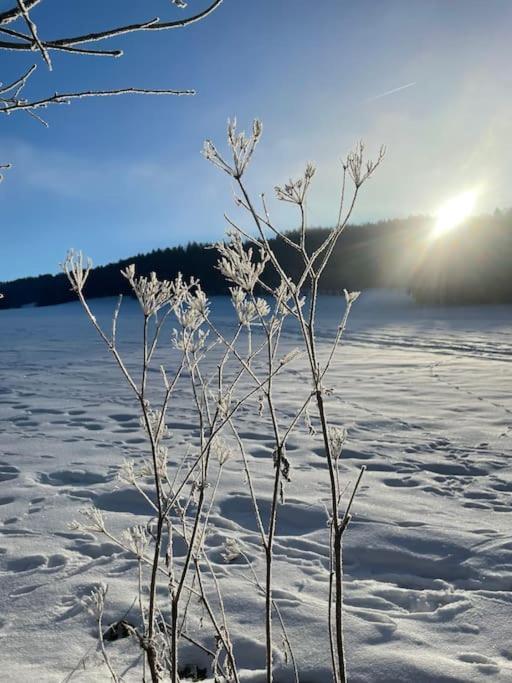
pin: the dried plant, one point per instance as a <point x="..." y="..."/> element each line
<point x="289" y="300"/>
<point x="224" y="375"/>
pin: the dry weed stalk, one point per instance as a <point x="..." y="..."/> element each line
<point x="290" y="300"/>
<point x="246" y="367"/>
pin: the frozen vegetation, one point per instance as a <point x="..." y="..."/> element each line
<point x="425" y="396"/>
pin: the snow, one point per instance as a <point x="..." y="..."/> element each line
<point x="425" y="395"/>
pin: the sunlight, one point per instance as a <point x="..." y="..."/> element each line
<point x="453" y="212"/>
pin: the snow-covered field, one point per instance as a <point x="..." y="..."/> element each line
<point x="425" y="394"/>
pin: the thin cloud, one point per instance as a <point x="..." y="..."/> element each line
<point x="391" y="92"/>
<point x="79" y="177"/>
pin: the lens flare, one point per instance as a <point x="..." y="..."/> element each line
<point x="453" y="212"/>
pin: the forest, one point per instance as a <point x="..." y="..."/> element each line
<point x="469" y="265"/>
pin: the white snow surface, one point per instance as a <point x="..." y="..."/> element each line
<point x="425" y="396"/>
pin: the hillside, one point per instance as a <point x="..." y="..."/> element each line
<point x="469" y="265"/>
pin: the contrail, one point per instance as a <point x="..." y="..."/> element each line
<point x="391" y="92"/>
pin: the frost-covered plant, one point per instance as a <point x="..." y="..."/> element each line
<point x="225" y="375"/>
<point x="180" y="496"/>
<point x="289" y="300"/>
<point x="94" y="604"/>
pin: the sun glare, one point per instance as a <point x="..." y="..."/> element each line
<point x="453" y="212"/>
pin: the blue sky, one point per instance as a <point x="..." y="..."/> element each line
<point x="116" y="177"/>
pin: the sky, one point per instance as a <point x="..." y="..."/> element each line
<point x="120" y="176"/>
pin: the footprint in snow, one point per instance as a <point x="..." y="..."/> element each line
<point x="25" y="590"/>
<point x="423" y="605"/>
<point x="26" y="564"/>
<point x="71" y="478"/>
<point x="124" y="500"/>
<point x="79" y="494"/>
<point x="476" y="505"/>
<point x="95" y="550"/>
<point x="45" y="411"/>
<point x="56" y="562"/>
<point x="405" y="482"/>
<point x="293" y="519"/>
<point x="484" y="664"/>
<point x="8" y="472"/>
<point x="38" y="499"/>
<point x="123" y="418"/>
<point x="6" y="500"/>
<point x="384" y="626"/>
<point x="479" y="494"/>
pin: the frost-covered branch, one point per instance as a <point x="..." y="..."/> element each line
<point x="19" y="32"/>
<point x="29" y="43"/>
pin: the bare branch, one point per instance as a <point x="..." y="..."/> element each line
<point x="33" y="32"/>
<point x="30" y="40"/>
<point x="13" y="13"/>
<point x="148" y="25"/>
<point x="19" y="82"/>
<point x="4" y="167"/>
<point x="65" y="98"/>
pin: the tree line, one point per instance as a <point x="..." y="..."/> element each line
<point x="471" y="264"/>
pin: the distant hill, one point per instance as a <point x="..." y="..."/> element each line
<point x="473" y="264"/>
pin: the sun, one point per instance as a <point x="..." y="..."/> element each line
<point x="453" y="212"/>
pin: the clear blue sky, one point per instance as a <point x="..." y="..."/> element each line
<point x="115" y="177"/>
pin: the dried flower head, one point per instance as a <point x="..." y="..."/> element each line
<point x="231" y="550"/>
<point x="95" y="521"/>
<point x="137" y="539"/>
<point x="94" y="603"/>
<point x="127" y="473"/>
<point x="221" y="450"/>
<point x="248" y="310"/>
<point x="190" y="341"/>
<point x="224" y="404"/>
<point x="155" y="421"/>
<point x="308" y="422"/>
<point x="77" y="269"/>
<point x="350" y="297"/>
<point x="337" y="437"/>
<point x="153" y="293"/>
<point x="242" y="148"/>
<point x="294" y="191"/>
<point x="237" y="265"/>
<point x="359" y="169"/>
<point x="290" y="356"/>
